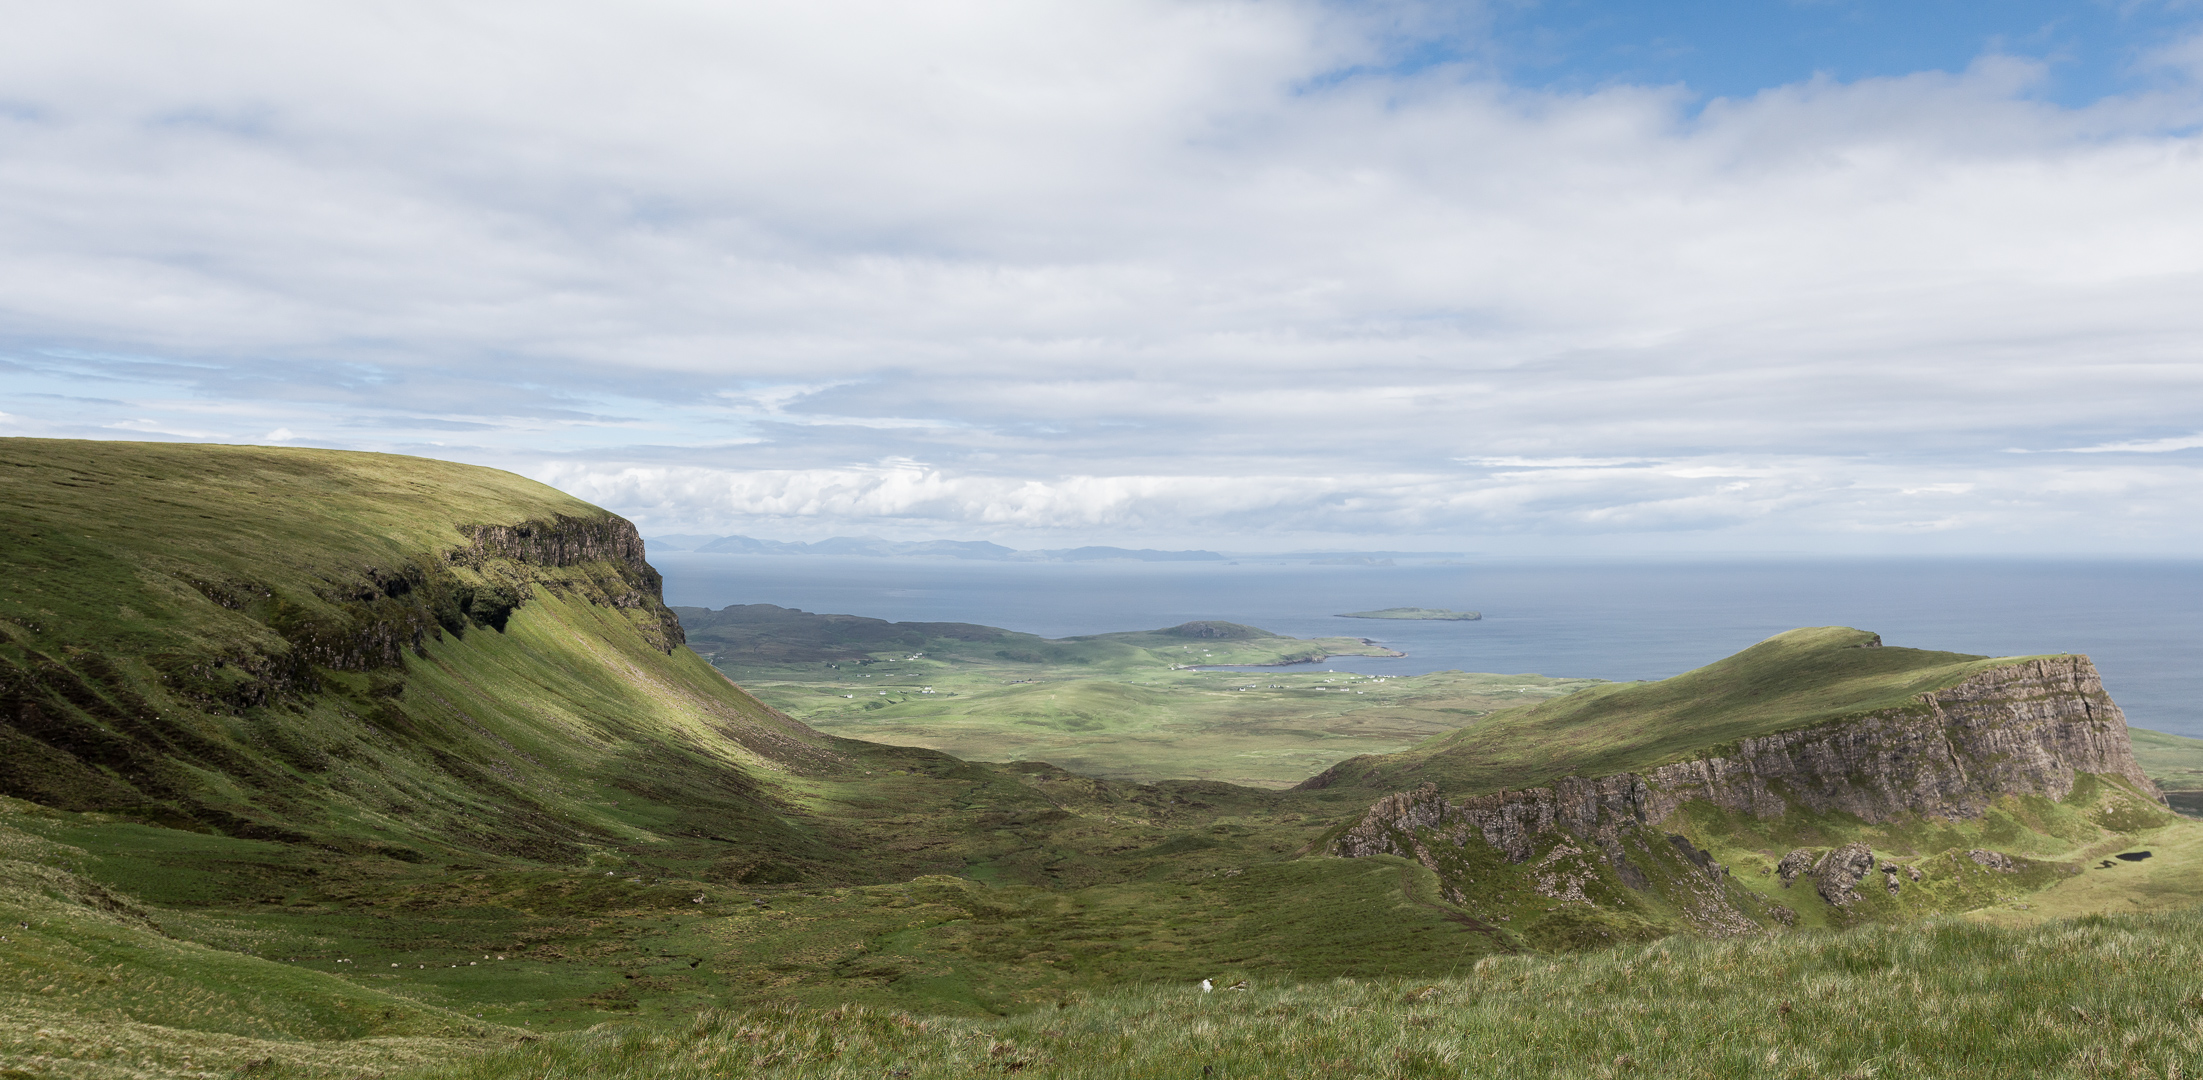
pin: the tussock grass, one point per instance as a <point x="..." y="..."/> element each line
<point x="2097" y="996"/>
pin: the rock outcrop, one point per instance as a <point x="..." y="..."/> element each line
<point x="1836" y="875"/>
<point x="561" y="541"/>
<point x="571" y="541"/>
<point x="2026" y="728"/>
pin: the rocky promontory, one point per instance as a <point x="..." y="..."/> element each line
<point x="2029" y="728"/>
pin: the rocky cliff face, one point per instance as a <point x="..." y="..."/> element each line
<point x="2024" y="729"/>
<point x="2028" y="728"/>
<point x="568" y="541"/>
<point x="562" y="541"/>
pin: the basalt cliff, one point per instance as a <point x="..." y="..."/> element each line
<point x="2039" y="728"/>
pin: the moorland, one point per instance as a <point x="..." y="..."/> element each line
<point x="324" y="764"/>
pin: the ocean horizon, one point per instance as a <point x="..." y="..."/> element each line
<point x="2141" y="621"/>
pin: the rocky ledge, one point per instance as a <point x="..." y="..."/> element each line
<point x="2027" y="728"/>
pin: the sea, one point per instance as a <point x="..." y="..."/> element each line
<point x="2140" y="621"/>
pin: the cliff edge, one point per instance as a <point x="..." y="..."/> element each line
<point x="2035" y="728"/>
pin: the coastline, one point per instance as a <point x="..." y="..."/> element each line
<point x="1389" y="654"/>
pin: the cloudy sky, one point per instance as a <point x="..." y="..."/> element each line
<point x="1571" y="275"/>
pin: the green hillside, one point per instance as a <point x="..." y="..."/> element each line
<point x="1787" y="681"/>
<point x="331" y="764"/>
<point x="308" y="645"/>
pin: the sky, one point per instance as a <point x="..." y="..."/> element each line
<point x="1603" y="278"/>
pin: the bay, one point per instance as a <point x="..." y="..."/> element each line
<point x="2140" y="621"/>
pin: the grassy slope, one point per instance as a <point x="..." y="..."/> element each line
<point x="1790" y="680"/>
<point x="2089" y="998"/>
<point x="159" y="614"/>
<point x="87" y="972"/>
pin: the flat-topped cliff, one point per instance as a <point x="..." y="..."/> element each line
<point x="2026" y="728"/>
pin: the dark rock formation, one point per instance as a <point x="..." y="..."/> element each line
<point x="1794" y="865"/>
<point x="561" y="541"/>
<point x="2027" y="728"/>
<point x="570" y="542"/>
<point x="1836" y="876"/>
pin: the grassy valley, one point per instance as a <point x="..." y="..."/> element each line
<point x="329" y="764"/>
<point x="1128" y="706"/>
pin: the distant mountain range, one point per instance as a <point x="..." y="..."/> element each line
<point x="984" y="550"/>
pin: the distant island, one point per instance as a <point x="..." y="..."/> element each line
<point x="1423" y="614"/>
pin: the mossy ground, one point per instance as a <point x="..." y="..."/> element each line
<point x="2094" y="997"/>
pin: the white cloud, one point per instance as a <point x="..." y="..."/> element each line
<point x="1150" y="268"/>
<point x="1809" y="504"/>
<point x="1552" y="463"/>
<point x="2138" y="446"/>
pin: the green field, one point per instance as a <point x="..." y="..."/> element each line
<point x="2176" y="763"/>
<point x="1125" y="706"/>
<point x="330" y="764"/>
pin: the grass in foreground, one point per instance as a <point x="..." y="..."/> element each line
<point x="2098" y="996"/>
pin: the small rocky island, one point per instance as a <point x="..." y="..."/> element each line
<point x="1416" y="613"/>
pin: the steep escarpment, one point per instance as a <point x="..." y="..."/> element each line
<point x="361" y="656"/>
<point x="2038" y="728"/>
<point x="380" y="653"/>
<point x="2029" y="728"/>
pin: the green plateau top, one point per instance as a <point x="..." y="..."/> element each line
<point x="1788" y="681"/>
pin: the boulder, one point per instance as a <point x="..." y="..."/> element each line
<point x="1836" y="876"/>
